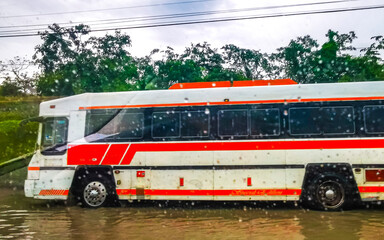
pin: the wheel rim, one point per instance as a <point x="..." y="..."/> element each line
<point x="331" y="194"/>
<point x="95" y="194"/>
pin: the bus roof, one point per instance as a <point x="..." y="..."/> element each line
<point x="216" y="96"/>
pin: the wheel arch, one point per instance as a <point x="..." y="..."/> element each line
<point x="317" y="171"/>
<point x="84" y="172"/>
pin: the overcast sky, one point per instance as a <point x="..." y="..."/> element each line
<point x="261" y="34"/>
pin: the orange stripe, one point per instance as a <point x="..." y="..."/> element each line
<point x="33" y="168"/>
<point x="59" y="192"/>
<point x="236" y="102"/>
<point x="230" y="192"/>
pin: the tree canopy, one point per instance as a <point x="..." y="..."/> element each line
<point x="73" y="62"/>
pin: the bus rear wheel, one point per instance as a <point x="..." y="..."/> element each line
<point x="329" y="193"/>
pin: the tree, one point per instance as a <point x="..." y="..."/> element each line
<point x="72" y="62"/>
<point x="298" y="58"/>
<point x="9" y="88"/>
<point x="333" y="61"/>
<point x="374" y="49"/>
<point x="18" y="72"/>
<point x="250" y="63"/>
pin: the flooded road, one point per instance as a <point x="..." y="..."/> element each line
<point x="23" y="218"/>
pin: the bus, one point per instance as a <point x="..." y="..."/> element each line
<point x="265" y="140"/>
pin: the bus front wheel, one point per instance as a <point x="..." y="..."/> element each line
<point x="96" y="193"/>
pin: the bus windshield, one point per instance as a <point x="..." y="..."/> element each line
<point x="54" y="135"/>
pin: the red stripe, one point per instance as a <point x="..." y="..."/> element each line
<point x="33" y="168"/>
<point x="86" y="154"/>
<point x="115" y="153"/>
<point x="82" y="154"/>
<point x="371" y="189"/>
<point x="230" y="192"/>
<point x="238" y="102"/>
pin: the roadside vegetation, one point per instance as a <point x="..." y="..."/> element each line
<point x="16" y="140"/>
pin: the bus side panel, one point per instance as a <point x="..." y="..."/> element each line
<point x="179" y="175"/>
<point x="181" y="185"/>
<point x="370" y="174"/>
<point x="179" y="158"/>
<point x="53" y="184"/>
<point x="352" y="156"/>
<point x="76" y="126"/>
<point x="250" y="175"/>
<point x="123" y="178"/>
<point x="131" y="183"/>
<point x="255" y="184"/>
<point x="294" y="180"/>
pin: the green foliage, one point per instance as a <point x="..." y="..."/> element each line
<point x="73" y="62"/>
<point x="305" y="62"/>
<point x="72" y="65"/>
<point x="16" y="140"/>
<point x="8" y="88"/>
<point x="250" y="63"/>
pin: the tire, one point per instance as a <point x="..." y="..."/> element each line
<point x="96" y="192"/>
<point x="330" y="193"/>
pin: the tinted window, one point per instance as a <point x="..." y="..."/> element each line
<point x="97" y="120"/>
<point x="165" y="124"/>
<point x="374" y="119"/>
<point x="54" y="132"/>
<point x="194" y="124"/>
<point x="114" y="125"/>
<point x="265" y="122"/>
<point x="304" y="121"/>
<point x="233" y="123"/>
<point x="54" y="136"/>
<point x="337" y="120"/>
<point x="129" y="125"/>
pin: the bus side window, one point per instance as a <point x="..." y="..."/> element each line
<point x="194" y="124"/>
<point x="166" y="124"/>
<point x="265" y="122"/>
<point x="100" y="124"/>
<point x="233" y="122"/>
<point x="129" y="125"/>
<point x="374" y="119"/>
<point x="338" y="120"/>
<point x="304" y="121"/>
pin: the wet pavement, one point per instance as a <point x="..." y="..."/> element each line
<point x="24" y="218"/>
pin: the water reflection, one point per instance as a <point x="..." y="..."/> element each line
<point x="22" y="218"/>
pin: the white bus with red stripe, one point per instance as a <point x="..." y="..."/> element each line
<point x="322" y="144"/>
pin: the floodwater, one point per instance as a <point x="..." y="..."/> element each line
<point x="24" y="218"/>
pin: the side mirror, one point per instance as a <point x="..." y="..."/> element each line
<point x="34" y="119"/>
